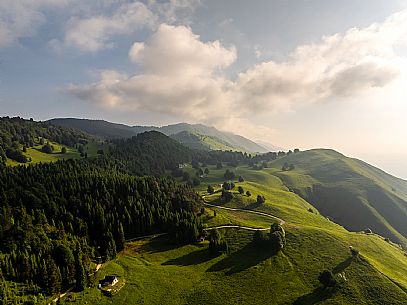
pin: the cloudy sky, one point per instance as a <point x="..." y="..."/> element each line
<point x="303" y="73"/>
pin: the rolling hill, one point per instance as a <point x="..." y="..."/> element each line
<point x="205" y="137"/>
<point x="158" y="272"/>
<point x="349" y="191"/>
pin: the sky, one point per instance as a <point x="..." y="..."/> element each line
<point x="303" y="73"/>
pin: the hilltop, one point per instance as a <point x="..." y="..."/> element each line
<point x="349" y="191"/>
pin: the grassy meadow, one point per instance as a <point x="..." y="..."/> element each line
<point x="158" y="272"/>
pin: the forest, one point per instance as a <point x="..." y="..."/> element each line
<point x="56" y="218"/>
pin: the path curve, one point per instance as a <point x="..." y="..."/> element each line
<point x="280" y="221"/>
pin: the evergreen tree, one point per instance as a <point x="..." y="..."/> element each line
<point x="80" y="273"/>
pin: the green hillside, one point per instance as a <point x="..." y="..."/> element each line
<point x="351" y="192"/>
<point x="207" y="137"/>
<point x="158" y="272"/>
<point x="203" y="142"/>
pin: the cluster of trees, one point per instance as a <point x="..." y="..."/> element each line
<point x="54" y="218"/>
<point x="16" y="134"/>
<point x="275" y="239"/>
<point x="217" y="242"/>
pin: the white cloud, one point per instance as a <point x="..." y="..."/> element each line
<point x="95" y="33"/>
<point x="338" y="66"/>
<point x="180" y="75"/>
<point x="22" y="18"/>
<point x="183" y="76"/>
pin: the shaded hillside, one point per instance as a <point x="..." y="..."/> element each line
<point x="149" y="153"/>
<point x="99" y="128"/>
<point x="216" y="138"/>
<point x="351" y="192"/>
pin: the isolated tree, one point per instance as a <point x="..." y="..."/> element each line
<point x="327" y="279"/>
<point x="206" y="171"/>
<point x="210" y="189"/>
<point x="241" y="179"/>
<point x="217" y="243"/>
<point x="47" y="148"/>
<point x="226" y="186"/>
<point x="219" y="165"/>
<point x="24" y="148"/>
<point x="248" y="194"/>
<point x="240" y="190"/>
<point x="229" y="175"/>
<point x="63" y="150"/>
<point x="42" y="141"/>
<point x="296" y="150"/>
<point x="260" y="199"/>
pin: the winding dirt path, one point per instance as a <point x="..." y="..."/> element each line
<point x="279" y="220"/>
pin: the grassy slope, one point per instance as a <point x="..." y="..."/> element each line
<point x="159" y="273"/>
<point x="352" y="192"/>
<point x="38" y="156"/>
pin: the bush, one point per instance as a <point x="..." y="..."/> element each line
<point x="219" y="165"/>
<point x="240" y="190"/>
<point x="63" y="150"/>
<point x="327" y="279"/>
<point x="277" y="237"/>
<point x="210" y="189"/>
<point x="47" y="148"/>
<point x="260" y="199"/>
<point x="241" y="179"/>
<point x="248" y="194"/>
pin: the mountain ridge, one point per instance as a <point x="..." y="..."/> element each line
<point x="109" y="130"/>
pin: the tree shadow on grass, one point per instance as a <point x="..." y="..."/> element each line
<point x="242" y="259"/>
<point x="160" y="244"/>
<point x="343" y="265"/>
<point x="314" y="297"/>
<point x="193" y="258"/>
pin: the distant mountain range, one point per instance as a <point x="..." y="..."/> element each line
<point x="195" y="136"/>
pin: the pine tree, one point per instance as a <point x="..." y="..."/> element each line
<point x="80" y="274"/>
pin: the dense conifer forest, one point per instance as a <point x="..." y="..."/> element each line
<point x="55" y="218"/>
